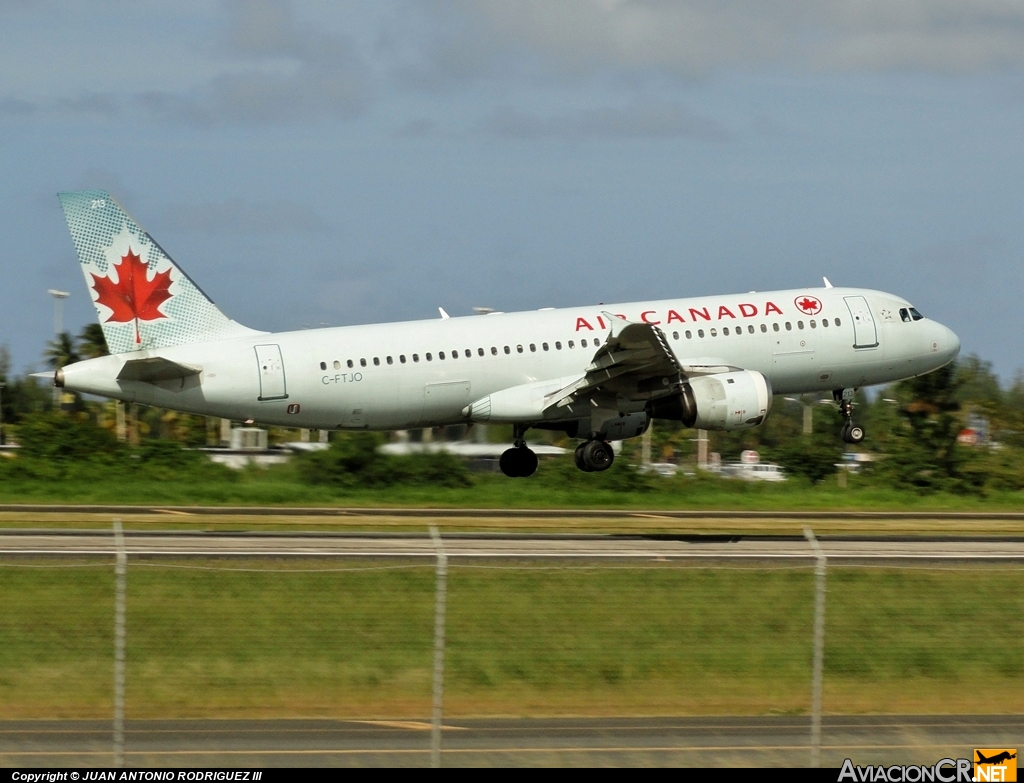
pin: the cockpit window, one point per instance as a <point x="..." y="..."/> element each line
<point x="915" y="315"/>
<point x="905" y="314"/>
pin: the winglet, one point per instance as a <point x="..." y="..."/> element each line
<point x="444" y="315"/>
<point x="827" y="283"/>
<point x="616" y="323"/>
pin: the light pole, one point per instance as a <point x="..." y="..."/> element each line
<point x="58" y="310"/>
<point x="58" y="327"/>
<point x="2" y="387"/>
<point x="808" y="411"/>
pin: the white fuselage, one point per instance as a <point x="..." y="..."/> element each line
<point x="425" y="373"/>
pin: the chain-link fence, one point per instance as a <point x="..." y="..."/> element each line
<point x="429" y="645"/>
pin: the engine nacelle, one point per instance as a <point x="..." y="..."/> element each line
<point x="723" y="401"/>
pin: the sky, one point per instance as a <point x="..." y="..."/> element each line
<point x="328" y="164"/>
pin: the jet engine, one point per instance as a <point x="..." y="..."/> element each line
<point x="723" y="401"/>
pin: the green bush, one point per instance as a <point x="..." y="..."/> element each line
<point x="353" y="461"/>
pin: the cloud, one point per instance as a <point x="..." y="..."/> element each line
<point x="262" y="65"/>
<point x="654" y="120"/>
<point x="243" y="217"/>
<point x="690" y="37"/>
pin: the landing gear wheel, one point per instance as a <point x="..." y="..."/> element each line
<point x="597" y="455"/>
<point x="578" y="458"/>
<point x="852" y="433"/>
<point x="518" y="462"/>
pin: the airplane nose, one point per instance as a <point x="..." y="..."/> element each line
<point x="949" y="343"/>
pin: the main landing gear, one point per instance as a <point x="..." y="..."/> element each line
<point x="518" y="461"/>
<point x="850" y="433"/>
<point x="594" y="455"/>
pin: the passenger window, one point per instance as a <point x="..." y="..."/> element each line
<point x="789" y="326"/>
<point x="440" y="356"/>
<point x="675" y="335"/>
<point x="469" y="353"/>
<point x="689" y="335"/>
<point x="700" y="333"/>
<point x="415" y="357"/>
<point x="813" y="324"/>
<point x="401" y="358"/>
<point x="799" y="324"/>
<point x="533" y="348"/>
<point x="349" y="363"/>
<point x="824" y="322"/>
<point x="597" y="342"/>
<point x="494" y="351"/>
<point x="764" y="328"/>
<point x="323" y="365"/>
<point x="572" y="344"/>
<point x="519" y="348"/>
<point x="714" y="333"/>
<point x="428" y="357"/>
<point x="337" y="365"/>
<point x="558" y="345"/>
<point x="362" y="362"/>
<point x="739" y="331"/>
<point x="775" y="326"/>
<point x="508" y="350"/>
<point x="390" y="360"/>
<point x="376" y="362"/>
<point x="583" y="343"/>
<point x="725" y="331"/>
<point x="836" y="322"/>
<point x="480" y="351"/>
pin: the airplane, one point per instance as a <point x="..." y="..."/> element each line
<point x="598" y="373"/>
<point x="996" y="759"/>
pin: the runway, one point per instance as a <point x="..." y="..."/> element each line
<point x="700" y="741"/>
<point x="505" y="546"/>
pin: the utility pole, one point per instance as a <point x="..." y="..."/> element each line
<point x="58" y="327"/>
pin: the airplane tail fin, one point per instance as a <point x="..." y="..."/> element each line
<point x="143" y="299"/>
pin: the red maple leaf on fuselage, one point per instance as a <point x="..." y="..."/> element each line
<point x="133" y="297"/>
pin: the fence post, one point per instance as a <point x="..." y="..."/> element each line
<point x="819" y="644"/>
<point x="439" y="613"/>
<point x="121" y="577"/>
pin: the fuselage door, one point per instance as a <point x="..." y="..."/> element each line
<point x="271" y="367"/>
<point x="864" y="333"/>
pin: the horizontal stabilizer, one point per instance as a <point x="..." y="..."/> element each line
<point x="155" y="369"/>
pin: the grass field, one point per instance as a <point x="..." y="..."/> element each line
<point x="246" y="638"/>
<point x="280" y="488"/>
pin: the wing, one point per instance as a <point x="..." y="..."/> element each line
<point x="636" y="364"/>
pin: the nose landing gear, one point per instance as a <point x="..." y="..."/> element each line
<point x="850" y="433"/>
<point x="519" y="461"/>
<point x="594" y="455"/>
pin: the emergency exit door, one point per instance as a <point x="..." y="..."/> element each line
<point x="271" y="367"/>
<point x="864" y="332"/>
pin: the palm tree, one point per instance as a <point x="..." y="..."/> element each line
<point x="62" y="351"/>
<point x="91" y="342"/>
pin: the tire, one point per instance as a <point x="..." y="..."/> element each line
<point x="598" y="455"/>
<point x="509" y="463"/>
<point x="527" y="462"/>
<point x="844" y="433"/>
<point x="855" y="434"/>
<point x="578" y="458"/>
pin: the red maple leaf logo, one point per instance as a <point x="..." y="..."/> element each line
<point x="133" y="297"/>
<point x="808" y="304"/>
